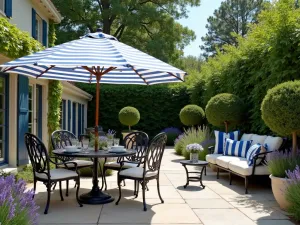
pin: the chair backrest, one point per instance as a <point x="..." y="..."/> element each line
<point x="155" y="152"/>
<point x="61" y="138"/>
<point x="137" y="141"/>
<point x="38" y="153"/>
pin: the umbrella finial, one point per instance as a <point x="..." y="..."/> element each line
<point x="99" y="30"/>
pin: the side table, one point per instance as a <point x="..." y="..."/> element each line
<point x="195" y="178"/>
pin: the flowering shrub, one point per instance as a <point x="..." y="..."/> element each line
<point x="194" y="148"/>
<point x="293" y="192"/>
<point x="179" y="144"/>
<point x="110" y="134"/>
<point x="281" y="161"/>
<point x="16" y="205"/>
<point x="172" y="133"/>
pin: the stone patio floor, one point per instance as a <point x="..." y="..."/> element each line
<point x="218" y="204"/>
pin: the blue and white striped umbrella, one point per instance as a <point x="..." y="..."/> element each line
<point x="95" y="53"/>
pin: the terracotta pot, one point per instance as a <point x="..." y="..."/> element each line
<point x="279" y="186"/>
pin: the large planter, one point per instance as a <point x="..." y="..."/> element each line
<point x="279" y="186"/>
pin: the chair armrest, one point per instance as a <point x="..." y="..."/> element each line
<point x="211" y="149"/>
<point x="64" y="163"/>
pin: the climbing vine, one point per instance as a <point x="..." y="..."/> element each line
<point x="51" y="34"/>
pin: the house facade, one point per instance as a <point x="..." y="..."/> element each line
<point x="23" y="100"/>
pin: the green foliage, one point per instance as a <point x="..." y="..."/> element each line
<point x="159" y="105"/>
<point x="15" y="43"/>
<point x="129" y="116"/>
<point x="278" y="166"/>
<point x="51" y="34"/>
<point x="139" y="24"/>
<point x="195" y="135"/>
<point x="267" y="56"/>
<point x="179" y="146"/>
<point x="54" y="99"/>
<point x="230" y="20"/>
<point x="224" y="108"/>
<point x="293" y="197"/>
<point x="191" y="115"/>
<point x="281" y="108"/>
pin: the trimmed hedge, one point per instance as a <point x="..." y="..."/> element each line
<point x="159" y="105"/>
<point x="191" y="115"/>
<point x="129" y="116"/>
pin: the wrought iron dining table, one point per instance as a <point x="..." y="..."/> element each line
<point x="95" y="196"/>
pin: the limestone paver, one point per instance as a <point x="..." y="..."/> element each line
<point x="208" y="204"/>
<point x="263" y="213"/>
<point x="223" y="217"/>
<point x="274" y="222"/>
<point x="196" y="192"/>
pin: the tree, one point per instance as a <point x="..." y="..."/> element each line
<point x="228" y="22"/>
<point x="149" y="25"/>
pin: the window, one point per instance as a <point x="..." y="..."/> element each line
<point x="35" y="107"/>
<point x="38" y="28"/>
<point x="63" y="114"/>
<point x="2" y="5"/>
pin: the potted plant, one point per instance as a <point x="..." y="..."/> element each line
<point x="224" y="110"/>
<point x="194" y="150"/>
<point x="129" y="116"/>
<point x="278" y="164"/>
<point x="293" y="193"/>
<point x="192" y="115"/>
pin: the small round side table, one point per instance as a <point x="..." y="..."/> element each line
<point x="195" y="178"/>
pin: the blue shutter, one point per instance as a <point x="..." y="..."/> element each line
<point x="8" y="8"/>
<point x="64" y="113"/>
<point x="45" y="33"/>
<point x="79" y="120"/>
<point x="83" y="119"/>
<point x="69" y="115"/>
<point x="74" y="118"/>
<point x="33" y="22"/>
<point x="23" y="116"/>
<point x="40" y="111"/>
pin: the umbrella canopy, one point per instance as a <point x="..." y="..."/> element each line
<point x="80" y="59"/>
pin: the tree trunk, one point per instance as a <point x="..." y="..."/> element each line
<point x="295" y="147"/>
<point x="226" y="126"/>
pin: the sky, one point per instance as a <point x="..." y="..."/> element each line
<point x="196" y="21"/>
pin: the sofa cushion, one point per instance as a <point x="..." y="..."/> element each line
<point x="246" y="137"/>
<point x="211" y="158"/>
<point x="258" y="139"/>
<point x="237" y="148"/>
<point x="242" y="167"/>
<point x="273" y="143"/>
<point x="224" y="160"/>
<point x="220" y="140"/>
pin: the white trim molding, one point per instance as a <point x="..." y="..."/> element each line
<point x="70" y="88"/>
<point x="52" y="11"/>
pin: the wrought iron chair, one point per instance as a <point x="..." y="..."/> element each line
<point x="40" y="161"/>
<point x="150" y="169"/>
<point x="137" y="141"/>
<point x="60" y="139"/>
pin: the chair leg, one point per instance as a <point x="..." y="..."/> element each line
<point x="48" y="197"/>
<point x="67" y="190"/>
<point x="54" y="186"/>
<point x="60" y="191"/>
<point x="124" y="184"/>
<point x="77" y="191"/>
<point x="218" y="172"/>
<point x="246" y="185"/>
<point x="104" y="184"/>
<point x="144" y="193"/>
<point x="158" y="190"/>
<point x="205" y="171"/>
<point x="137" y="189"/>
<point x="120" y="191"/>
<point x="230" y="178"/>
<point x="34" y="188"/>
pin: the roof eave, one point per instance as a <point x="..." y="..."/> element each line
<point x="56" y="16"/>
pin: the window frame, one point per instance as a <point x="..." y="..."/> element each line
<point x="2" y="11"/>
<point x="39" y="28"/>
<point x="5" y="140"/>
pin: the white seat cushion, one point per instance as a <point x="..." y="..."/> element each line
<point x="80" y="163"/>
<point x="242" y="167"/>
<point x="246" y="137"/>
<point x="258" y="139"/>
<point x="273" y="143"/>
<point x="137" y="172"/>
<point x="224" y="161"/>
<point x="211" y="158"/>
<point x="57" y="174"/>
<point x="117" y="165"/>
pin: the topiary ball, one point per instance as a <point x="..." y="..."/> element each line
<point x="281" y="108"/>
<point x="224" y="107"/>
<point x="129" y="116"/>
<point x="191" y="115"/>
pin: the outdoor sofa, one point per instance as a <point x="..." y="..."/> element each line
<point x="239" y="165"/>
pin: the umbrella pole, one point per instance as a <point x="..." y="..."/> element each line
<point x="98" y="77"/>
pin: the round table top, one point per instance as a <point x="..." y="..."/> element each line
<point x="189" y="162"/>
<point x="92" y="154"/>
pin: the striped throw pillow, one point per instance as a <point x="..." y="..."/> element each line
<point x="221" y="138"/>
<point x="252" y="151"/>
<point x="237" y="148"/>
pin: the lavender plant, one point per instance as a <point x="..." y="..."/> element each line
<point x="293" y="192"/>
<point x="110" y="134"/>
<point x="16" y="205"/>
<point x="172" y="134"/>
<point x="281" y="161"/>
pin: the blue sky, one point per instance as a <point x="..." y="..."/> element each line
<point x="196" y="21"/>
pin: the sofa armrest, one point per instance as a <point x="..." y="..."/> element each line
<point x="211" y="149"/>
<point x="261" y="156"/>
